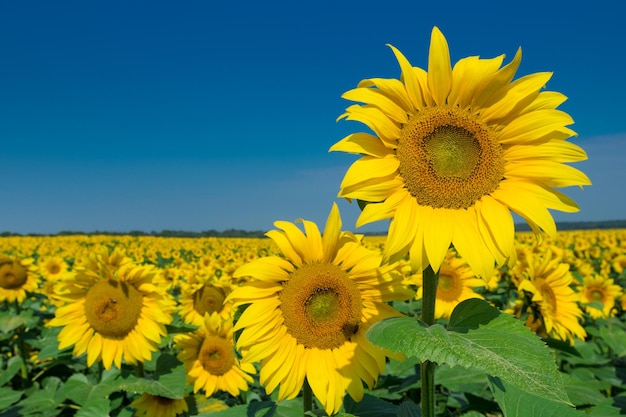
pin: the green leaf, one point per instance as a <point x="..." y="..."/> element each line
<point x="13" y="367"/>
<point x="517" y="403"/>
<point x="168" y="380"/>
<point x="496" y="344"/>
<point x="369" y="407"/>
<point x="583" y="392"/>
<point x="44" y="401"/>
<point x="8" y="397"/>
<point x="615" y="338"/>
<point x="470" y="380"/>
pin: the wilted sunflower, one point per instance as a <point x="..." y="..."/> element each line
<point x="455" y="150"/>
<point x="598" y="295"/>
<point x="456" y="283"/>
<point x="114" y="311"/>
<point x="308" y="312"/>
<point x="17" y="278"/>
<point x="209" y="357"/>
<point x="156" y="406"/>
<point x="554" y="311"/>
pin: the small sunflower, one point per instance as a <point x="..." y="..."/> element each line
<point x="456" y="283"/>
<point x="17" y="278"/>
<point x="308" y="312"/>
<point x="203" y="294"/>
<point x="598" y="295"/>
<point x="156" y="406"/>
<point x="52" y="268"/>
<point x="454" y="151"/>
<point x="114" y="312"/>
<point x="209" y="357"/>
<point x="554" y="311"/>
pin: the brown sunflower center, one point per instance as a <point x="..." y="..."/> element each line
<point x="448" y="158"/>
<point x="208" y="299"/>
<point x="13" y="275"/>
<point x="321" y="306"/>
<point x="448" y="286"/>
<point x="216" y="355"/>
<point x="113" y="308"/>
<point x="54" y="269"/>
<point x="597" y="295"/>
<point x="549" y="299"/>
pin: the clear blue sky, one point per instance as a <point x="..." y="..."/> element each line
<point x="197" y="115"/>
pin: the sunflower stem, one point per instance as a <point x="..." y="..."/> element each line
<point x="21" y="347"/>
<point x="139" y="370"/>
<point x="427" y="369"/>
<point x="307" y="397"/>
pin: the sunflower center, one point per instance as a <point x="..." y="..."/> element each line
<point x="216" y="355"/>
<point x="208" y="299"/>
<point x="321" y="306"/>
<point x="448" y="158"/>
<point x="549" y="299"/>
<point x="13" y="275"/>
<point x="448" y="286"/>
<point x="597" y="295"/>
<point x="113" y="308"/>
<point x="54" y="269"/>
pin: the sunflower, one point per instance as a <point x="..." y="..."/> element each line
<point x="554" y="309"/>
<point x="156" y="406"/>
<point x="52" y="268"/>
<point x="598" y="296"/>
<point x="308" y="311"/>
<point x="114" y="312"/>
<point x="454" y="151"/>
<point x="204" y="293"/>
<point x="17" y="278"/>
<point x="456" y="283"/>
<point x="209" y="357"/>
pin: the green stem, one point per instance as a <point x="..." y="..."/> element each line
<point x="307" y="397"/>
<point x="139" y="370"/>
<point x="429" y="297"/>
<point x="21" y="348"/>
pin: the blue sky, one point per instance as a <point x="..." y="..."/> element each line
<point x="197" y="115"/>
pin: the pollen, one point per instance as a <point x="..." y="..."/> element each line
<point x="321" y="306"/>
<point x="449" y="158"/>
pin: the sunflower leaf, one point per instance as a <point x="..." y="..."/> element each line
<point x="482" y="339"/>
<point x="515" y="402"/>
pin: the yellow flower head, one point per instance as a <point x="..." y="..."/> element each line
<point x="456" y="283"/>
<point x="114" y="312"/>
<point x="202" y="294"/>
<point x="209" y="358"/>
<point x="156" y="406"/>
<point x="454" y="151"/>
<point x="554" y="311"/>
<point x="308" y="311"/>
<point x="598" y="295"/>
<point x="17" y="278"/>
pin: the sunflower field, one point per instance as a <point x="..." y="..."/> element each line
<point x="123" y="326"/>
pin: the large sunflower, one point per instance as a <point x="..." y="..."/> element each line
<point x="114" y="312"/>
<point x="554" y="310"/>
<point x="455" y="151"/>
<point x="309" y="310"/>
<point x="209" y="358"/>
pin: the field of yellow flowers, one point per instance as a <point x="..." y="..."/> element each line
<point x="121" y="326"/>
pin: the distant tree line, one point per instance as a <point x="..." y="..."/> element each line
<point x="586" y="225"/>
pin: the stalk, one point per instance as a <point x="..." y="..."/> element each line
<point x="427" y="369"/>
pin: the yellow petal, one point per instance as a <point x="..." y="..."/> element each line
<point x="534" y="125"/>
<point x="499" y="222"/>
<point x="375" y="119"/>
<point x="377" y="99"/>
<point x="411" y="84"/>
<point x="332" y="231"/>
<point x="379" y="211"/>
<point x="439" y="68"/>
<point x="370" y="167"/>
<point x="554" y="150"/>
<point x="437" y="237"/>
<point x="392" y="88"/>
<point x="467" y="74"/>
<point x="362" y="143"/>
<point x="285" y="246"/>
<point x="313" y="251"/>
<point x="268" y="268"/>
<point x="402" y="229"/>
<point x="492" y="89"/>
<point x="547" y="172"/>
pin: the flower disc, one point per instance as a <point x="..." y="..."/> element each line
<point x="216" y="355"/>
<point x="208" y="299"/>
<point x="321" y="306"/>
<point x="113" y="308"/>
<point x="448" y="159"/>
<point x="13" y="275"/>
